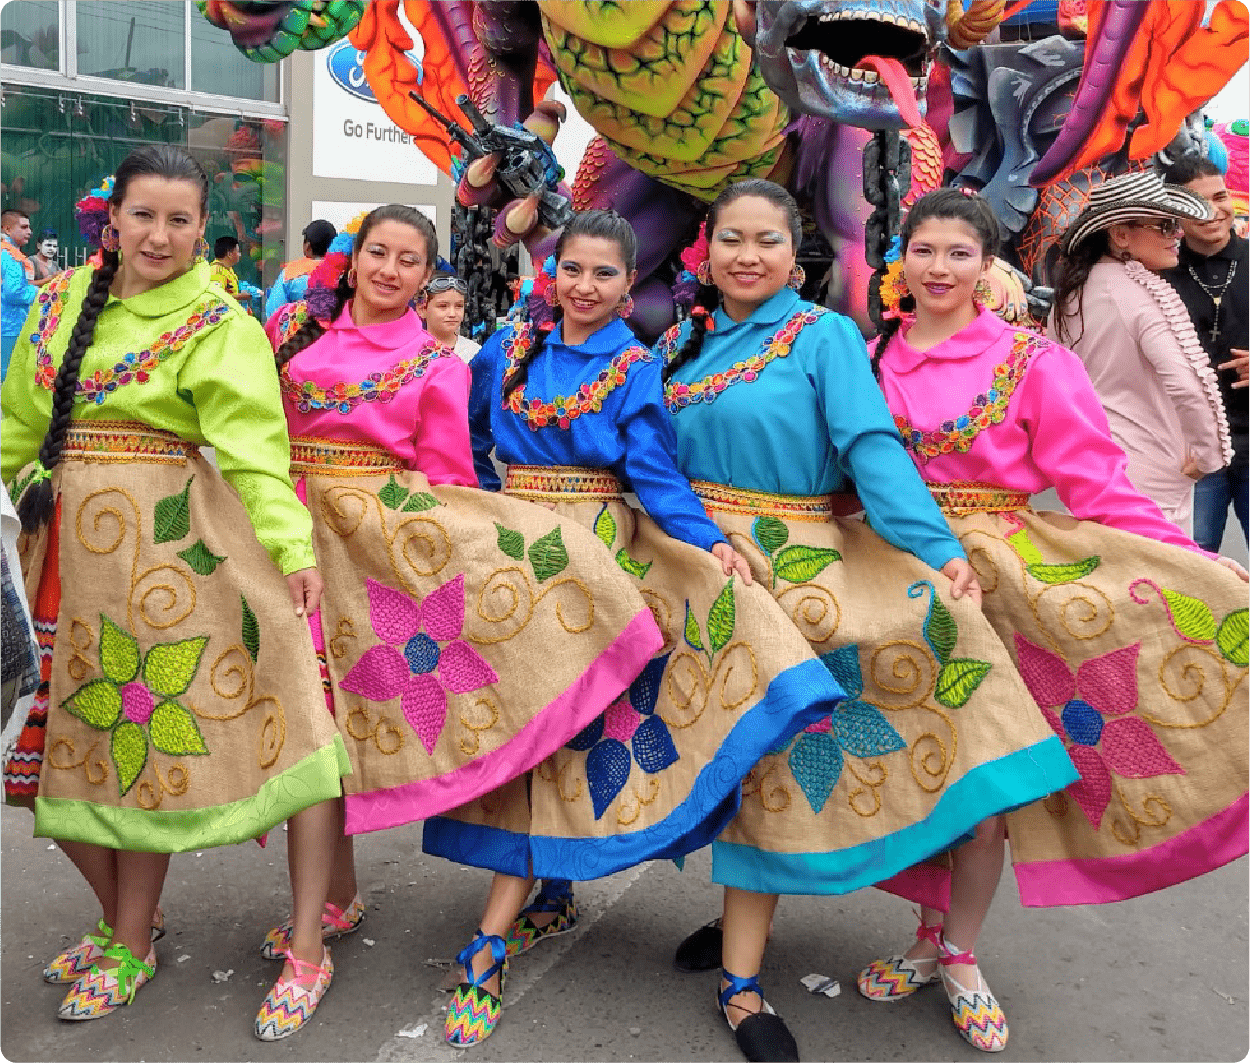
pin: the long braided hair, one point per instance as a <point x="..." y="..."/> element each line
<point x="947" y="204"/>
<point x="36" y="506"/>
<point x="708" y="296"/>
<point x="599" y="224"/>
<point x="312" y="329"/>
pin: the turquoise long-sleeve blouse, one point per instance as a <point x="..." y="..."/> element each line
<point x="631" y="435"/>
<point x="809" y="423"/>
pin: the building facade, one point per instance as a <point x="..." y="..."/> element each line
<point x="83" y="82"/>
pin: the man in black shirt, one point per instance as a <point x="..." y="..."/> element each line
<point x="1213" y="279"/>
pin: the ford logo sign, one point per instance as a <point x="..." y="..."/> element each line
<point x="344" y="63"/>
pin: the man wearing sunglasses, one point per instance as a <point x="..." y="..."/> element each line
<point x="1213" y="281"/>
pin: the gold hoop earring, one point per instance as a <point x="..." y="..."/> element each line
<point x="351" y="277"/>
<point x="110" y="238"/>
<point x="704" y="273"/>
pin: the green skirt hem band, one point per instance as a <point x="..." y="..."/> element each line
<point x="313" y="780"/>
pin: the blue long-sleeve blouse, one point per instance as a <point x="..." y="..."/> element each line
<point x="631" y="435"/>
<point x="810" y="421"/>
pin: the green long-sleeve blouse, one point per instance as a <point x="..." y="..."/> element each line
<point x="182" y="357"/>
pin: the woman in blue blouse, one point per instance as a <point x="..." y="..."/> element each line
<point x="777" y="415"/>
<point x="575" y="408"/>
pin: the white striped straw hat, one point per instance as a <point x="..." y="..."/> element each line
<point x="1133" y="197"/>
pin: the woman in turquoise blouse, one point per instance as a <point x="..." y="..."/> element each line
<point x="777" y="415"/>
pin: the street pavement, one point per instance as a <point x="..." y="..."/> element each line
<point x="1164" y="977"/>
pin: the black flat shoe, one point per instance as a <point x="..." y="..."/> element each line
<point x="701" y="951"/>
<point x="762" y="1037"/>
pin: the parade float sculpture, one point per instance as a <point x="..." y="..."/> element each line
<point x="689" y="95"/>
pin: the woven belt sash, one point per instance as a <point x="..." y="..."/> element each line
<point x="125" y="441"/>
<point x="551" y="483"/>
<point x="761" y="503"/>
<point x="963" y="497"/>
<point x="311" y="456"/>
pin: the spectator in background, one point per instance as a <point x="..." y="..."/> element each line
<point x="1211" y="280"/>
<point x="19" y="282"/>
<point x="1131" y="331"/>
<point x="227" y="255"/>
<point x="292" y="279"/>
<point x="46" y="260"/>
<point x="442" y="306"/>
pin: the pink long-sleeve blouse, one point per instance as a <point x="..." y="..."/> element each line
<point x="1161" y="400"/>
<point x="1052" y="433"/>
<point x="389" y="385"/>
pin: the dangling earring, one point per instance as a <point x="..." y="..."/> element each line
<point x="625" y="308"/>
<point x="704" y="273"/>
<point x="201" y="248"/>
<point x="110" y="238"/>
<point x="549" y="295"/>
<point x="351" y="278"/>
<point x="1125" y="255"/>
<point x="798" y="277"/>
<point x="982" y="294"/>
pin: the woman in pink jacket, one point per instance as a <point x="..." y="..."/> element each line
<point x="1134" y="336"/>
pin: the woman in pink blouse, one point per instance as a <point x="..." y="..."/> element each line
<point x="1134" y="336"/>
<point x="429" y="630"/>
<point x="1130" y="638"/>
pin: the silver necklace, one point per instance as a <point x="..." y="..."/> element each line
<point x="1216" y="297"/>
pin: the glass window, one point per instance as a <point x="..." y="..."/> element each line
<point x="56" y="146"/>
<point x="219" y="67"/>
<point x="30" y="33"/>
<point x="133" y="40"/>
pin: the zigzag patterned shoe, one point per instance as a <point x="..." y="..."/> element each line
<point x="334" y="924"/>
<point x="290" y="1003"/>
<point x="975" y="1013"/>
<point x="898" y="977"/>
<point x="556" y="897"/>
<point x="99" y="992"/>
<point x="474" y="1011"/>
<point x="75" y="961"/>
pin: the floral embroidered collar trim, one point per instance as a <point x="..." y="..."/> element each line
<point x="988" y="408"/>
<point x="308" y="396"/>
<point x="678" y="395"/>
<point x="563" y="410"/>
<point x="135" y="367"/>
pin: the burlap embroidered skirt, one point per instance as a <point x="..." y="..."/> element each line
<point x="937" y="732"/>
<point x="184" y="707"/>
<point x="659" y="774"/>
<point x="1136" y="654"/>
<point x="467" y="635"/>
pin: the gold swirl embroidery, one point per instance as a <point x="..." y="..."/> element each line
<point x="168" y="609"/>
<point x="688" y="686"/>
<point x="774" y="798"/>
<point x="1130" y="834"/>
<point x="1082" y="610"/>
<point x="662" y="611"/>
<point x="1189" y="679"/>
<point x="386" y="737"/>
<point x="501" y="600"/>
<point x="81" y="637"/>
<point x="345" y="630"/>
<point x="627" y="814"/>
<point x="150" y="797"/>
<point x="100" y="764"/>
<point x="420" y="541"/>
<point x="233" y="678"/>
<point x="868" y="786"/>
<point x="471" y="743"/>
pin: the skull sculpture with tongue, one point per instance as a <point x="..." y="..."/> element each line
<point x="863" y="64"/>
